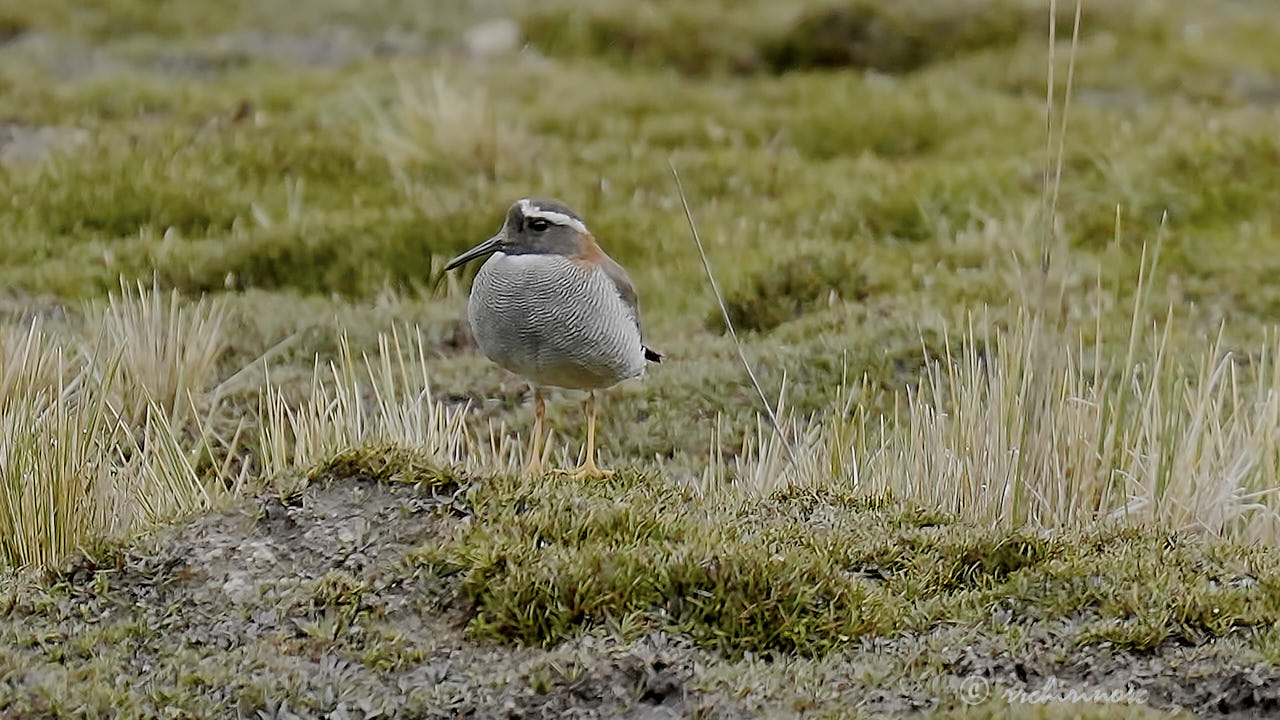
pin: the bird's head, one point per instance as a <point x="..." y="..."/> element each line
<point x="533" y="226"/>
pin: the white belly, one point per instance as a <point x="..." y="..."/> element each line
<point x="554" y="322"/>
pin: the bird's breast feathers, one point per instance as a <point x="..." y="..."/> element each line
<point x="549" y="316"/>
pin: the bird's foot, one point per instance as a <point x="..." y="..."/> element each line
<point x="533" y="468"/>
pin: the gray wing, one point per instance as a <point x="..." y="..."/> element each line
<point x="627" y="290"/>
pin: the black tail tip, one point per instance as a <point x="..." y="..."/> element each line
<point x="652" y="356"/>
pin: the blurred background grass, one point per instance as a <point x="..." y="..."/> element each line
<point x="866" y="173"/>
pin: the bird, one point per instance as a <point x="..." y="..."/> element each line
<point x="550" y="305"/>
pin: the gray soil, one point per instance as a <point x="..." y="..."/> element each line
<point x="316" y="608"/>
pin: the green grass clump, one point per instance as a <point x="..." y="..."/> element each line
<point x="683" y="36"/>
<point x="117" y="191"/>
<point x="790" y="289"/>
<point x="809" y="572"/>
<point x="894" y="37"/>
<point x="317" y="258"/>
<point x="904" y="36"/>
<point x="384" y="464"/>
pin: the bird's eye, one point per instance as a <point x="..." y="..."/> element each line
<point x="538" y="224"/>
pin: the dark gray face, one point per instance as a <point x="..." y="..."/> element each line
<point x="542" y="226"/>
<point x="533" y="226"/>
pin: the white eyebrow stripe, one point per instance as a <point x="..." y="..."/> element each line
<point x="552" y="216"/>
<point x="529" y="210"/>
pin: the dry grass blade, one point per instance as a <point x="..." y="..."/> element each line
<point x="1066" y="111"/>
<point x="724" y="311"/>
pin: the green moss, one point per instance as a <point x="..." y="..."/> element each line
<point x="192" y="23"/>
<point x="194" y="183"/>
<point x="682" y="36"/>
<point x="338" y="600"/>
<point x="759" y="577"/>
<point x="867" y="34"/>
<point x="790" y="289"/>
<point x="388" y="650"/>
<point x="116" y="193"/>
<point x="384" y="464"/>
<point x="1230" y="169"/>
<point x="905" y="36"/>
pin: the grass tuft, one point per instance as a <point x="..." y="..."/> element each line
<point x="88" y="447"/>
<point x="169" y="351"/>
<point x="791" y="289"/>
<point x="1191" y="445"/>
<point x="384" y="464"/>
<point x="443" y="125"/>
<point x="380" y="400"/>
<point x="906" y="36"/>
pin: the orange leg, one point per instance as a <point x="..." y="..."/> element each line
<point x="588" y="469"/>
<point x="534" y="468"/>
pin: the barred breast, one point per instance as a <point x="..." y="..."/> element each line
<point x="554" y="321"/>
